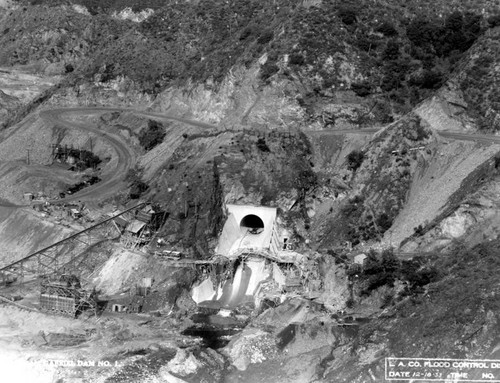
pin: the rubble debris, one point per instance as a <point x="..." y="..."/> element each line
<point x="250" y="346"/>
<point x="184" y="363"/>
<point x="7" y="278"/>
<point x="64" y="340"/>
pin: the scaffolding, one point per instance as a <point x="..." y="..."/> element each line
<point x="64" y="297"/>
<point x="53" y="259"/>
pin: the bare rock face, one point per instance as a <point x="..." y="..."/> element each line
<point x="7" y="101"/>
<point x="336" y="289"/>
<point x="297" y="339"/>
<point x="235" y="103"/>
<point x="184" y="363"/>
<point x="446" y="111"/>
<point x="7" y="104"/>
<point x="185" y="303"/>
<point x="456" y="225"/>
<point x="251" y="346"/>
<point x="129" y="14"/>
<point x="169" y="378"/>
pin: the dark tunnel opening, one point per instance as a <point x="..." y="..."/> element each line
<point x="253" y="223"/>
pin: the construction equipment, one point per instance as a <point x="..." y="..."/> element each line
<point x="66" y="297"/>
<point x="51" y="259"/>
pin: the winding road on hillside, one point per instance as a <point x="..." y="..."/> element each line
<point x="480" y="138"/>
<point x="112" y="177"/>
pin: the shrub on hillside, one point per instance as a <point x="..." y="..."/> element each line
<point x="389" y="83"/>
<point x="387" y="29"/>
<point x="384" y="222"/>
<point x="421" y="31"/>
<point x="429" y="79"/>
<point x="412" y="272"/>
<point x="88" y="160"/>
<point x="385" y="269"/>
<point x="362" y="89"/>
<point x="152" y="136"/>
<point x="415" y="131"/>
<point x="350" y="303"/>
<point x="418" y="231"/>
<point x="494" y="21"/>
<point x="137" y="186"/>
<point x="296" y="59"/>
<point x="248" y="31"/>
<point x="391" y="51"/>
<point x="380" y="270"/>
<point x="262" y="145"/>
<point x="306" y="180"/>
<point x="265" y="37"/>
<point x="347" y="14"/>
<point x="389" y="261"/>
<point x="372" y="264"/>
<point x="355" y="159"/>
<point x="352" y="206"/>
<point x="368" y="43"/>
<point x="268" y="69"/>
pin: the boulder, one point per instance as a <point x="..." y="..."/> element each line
<point x="39" y="339"/>
<point x="297" y="339"/>
<point x="185" y="303"/>
<point x="168" y="377"/>
<point x="294" y="310"/>
<point x="184" y="363"/>
<point x="250" y="346"/>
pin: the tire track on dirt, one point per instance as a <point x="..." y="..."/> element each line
<point x="112" y="179"/>
<point x="480" y="138"/>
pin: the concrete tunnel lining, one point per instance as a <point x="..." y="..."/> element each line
<point x="252" y="221"/>
<point x="240" y="232"/>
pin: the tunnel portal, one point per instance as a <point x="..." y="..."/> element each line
<point x="252" y="223"/>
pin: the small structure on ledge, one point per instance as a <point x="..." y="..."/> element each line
<point x="132" y="302"/>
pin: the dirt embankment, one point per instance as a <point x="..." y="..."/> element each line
<point x="125" y="269"/>
<point x="406" y="173"/>
<point x="30" y="145"/>
<point x="470" y="213"/>
<point x="23" y="233"/>
<point x="19" y="178"/>
<point x="437" y="181"/>
<point x="237" y="103"/>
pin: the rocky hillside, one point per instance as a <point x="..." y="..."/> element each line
<point x="252" y="68"/>
<point x="430" y="321"/>
<point x="286" y="97"/>
<point x="380" y="58"/>
<point x="7" y="104"/>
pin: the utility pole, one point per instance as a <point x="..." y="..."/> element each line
<point x="28" y="157"/>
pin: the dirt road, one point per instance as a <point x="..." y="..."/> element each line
<point x="112" y="177"/>
<point x="481" y="138"/>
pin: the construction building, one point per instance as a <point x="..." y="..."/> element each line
<point x="65" y="296"/>
<point x="139" y="227"/>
